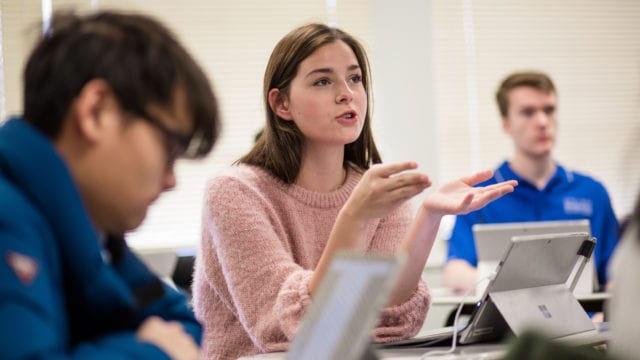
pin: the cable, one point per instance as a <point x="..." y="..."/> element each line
<point x="455" y="321"/>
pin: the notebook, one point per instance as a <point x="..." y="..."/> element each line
<point x="492" y="241"/>
<point x="346" y="307"/>
<point x="530" y="291"/>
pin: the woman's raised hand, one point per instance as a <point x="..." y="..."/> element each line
<point x="460" y="197"/>
<point x="383" y="188"/>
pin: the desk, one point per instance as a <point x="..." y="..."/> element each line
<point x="483" y="351"/>
<point x="480" y="351"/>
<point x="475" y="351"/>
<point x="445" y="297"/>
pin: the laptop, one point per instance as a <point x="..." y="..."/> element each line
<point x="346" y="307"/>
<point x="492" y="240"/>
<point x="530" y="291"/>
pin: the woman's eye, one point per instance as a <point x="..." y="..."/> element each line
<point x="321" y="82"/>
<point x="356" y="78"/>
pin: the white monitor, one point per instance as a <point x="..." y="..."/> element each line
<point x="492" y="240"/>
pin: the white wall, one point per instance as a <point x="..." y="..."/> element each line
<point x="404" y="100"/>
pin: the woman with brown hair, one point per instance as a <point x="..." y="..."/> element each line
<point x="314" y="185"/>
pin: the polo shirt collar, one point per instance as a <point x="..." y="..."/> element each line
<point x="561" y="176"/>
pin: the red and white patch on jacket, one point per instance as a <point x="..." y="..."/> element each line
<point x="25" y="267"/>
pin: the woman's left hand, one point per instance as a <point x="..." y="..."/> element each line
<point x="460" y="197"/>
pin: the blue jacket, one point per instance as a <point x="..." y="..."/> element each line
<point x="58" y="297"/>
<point x="567" y="196"/>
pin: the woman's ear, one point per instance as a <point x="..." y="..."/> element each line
<point x="279" y="104"/>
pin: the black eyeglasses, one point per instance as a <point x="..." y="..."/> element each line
<point x="176" y="145"/>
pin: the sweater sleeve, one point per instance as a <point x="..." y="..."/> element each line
<point x="404" y="320"/>
<point x="249" y="265"/>
<point x="292" y="301"/>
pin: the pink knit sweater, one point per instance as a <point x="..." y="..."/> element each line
<point x="261" y="240"/>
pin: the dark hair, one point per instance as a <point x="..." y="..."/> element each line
<point x="279" y="149"/>
<point x="137" y="56"/>
<point x="538" y="80"/>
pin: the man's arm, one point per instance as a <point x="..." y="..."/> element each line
<point x="460" y="273"/>
<point x="459" y="276"/>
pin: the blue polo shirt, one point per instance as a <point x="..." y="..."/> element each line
<point x="567" y="196"/>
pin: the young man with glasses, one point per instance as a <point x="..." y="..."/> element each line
<point x="110" y="102"/>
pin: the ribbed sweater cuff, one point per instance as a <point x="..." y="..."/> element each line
<point x="405" y="320"/>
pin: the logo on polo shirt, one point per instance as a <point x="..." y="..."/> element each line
<point x="578" y="206"/>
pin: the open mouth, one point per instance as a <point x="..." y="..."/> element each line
<point x="348" y="115"/>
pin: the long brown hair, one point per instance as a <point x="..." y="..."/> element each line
<point x="279" y="148"/>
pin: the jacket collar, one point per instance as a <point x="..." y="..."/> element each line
<point x="30" y="161"/>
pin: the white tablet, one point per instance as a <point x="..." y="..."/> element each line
<point x="530" y="289"/>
